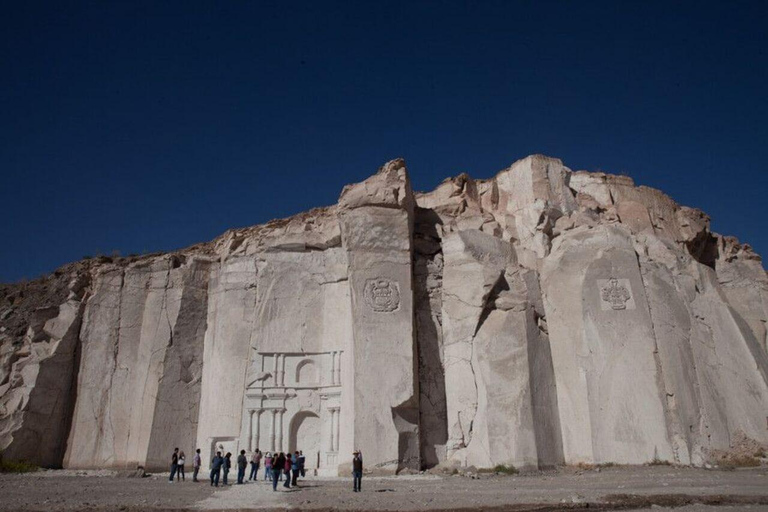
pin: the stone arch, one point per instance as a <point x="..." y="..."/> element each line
<point x="306" y="373"/>
<point x="305" y="434"/>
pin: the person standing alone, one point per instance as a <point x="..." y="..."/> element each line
<point x="174" y="463"/>
<point x="357" y="471"/>
<point x="196" y="463"/>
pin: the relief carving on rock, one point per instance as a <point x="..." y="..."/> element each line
<point x="615" y="294"/>
<point x="382" y="295"/>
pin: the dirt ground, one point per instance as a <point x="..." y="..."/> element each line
<point x="618" y="488"/>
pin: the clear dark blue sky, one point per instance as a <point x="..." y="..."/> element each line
<point x="145" y="126"/>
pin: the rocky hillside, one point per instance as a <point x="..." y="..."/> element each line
<point x="539" y="317"/>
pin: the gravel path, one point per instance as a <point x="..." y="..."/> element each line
<point x="628" y="488"/>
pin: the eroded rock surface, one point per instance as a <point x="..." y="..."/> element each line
<point x="536" y="318"/>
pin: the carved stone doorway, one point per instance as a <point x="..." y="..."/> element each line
<point x="304" y="435"/>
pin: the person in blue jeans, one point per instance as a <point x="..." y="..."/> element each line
<point x="216" y="464"/>
<point x="242" y="463"/>
<point x="295" y="467"/>
<point x="174" y="463"/>
<point x="278" y="461"/>
<point x="357" y="471"/>
<point x="268" y="466"/>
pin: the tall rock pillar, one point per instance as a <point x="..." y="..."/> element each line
<point x="376" y="219"/>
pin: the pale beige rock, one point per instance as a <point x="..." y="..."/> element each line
<point x="535" y="318"/>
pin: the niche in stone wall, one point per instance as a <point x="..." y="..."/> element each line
<point x="307" y="373"/>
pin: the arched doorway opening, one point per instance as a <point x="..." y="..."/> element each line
<point x="305" y="435"/>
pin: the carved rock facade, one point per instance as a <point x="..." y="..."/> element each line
<point x="540" y="317"/>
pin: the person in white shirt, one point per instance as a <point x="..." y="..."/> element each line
<point x="180" y="468"/>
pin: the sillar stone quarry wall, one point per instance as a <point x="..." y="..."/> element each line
<point x="537" y="318"/>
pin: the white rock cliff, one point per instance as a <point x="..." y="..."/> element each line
<point x="537" y="318"/>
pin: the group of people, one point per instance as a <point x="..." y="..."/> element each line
<point x="275" y="466"/>
<point x="178" y="460"/>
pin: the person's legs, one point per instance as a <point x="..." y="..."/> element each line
<point x="253" y="471"/>
<point x="295" y="473"/>
<point x="358" y="481"/>
<point x="194" y="474"/>
<point x="226" y="473"/>
<point x="240" y="474"/>
<point x="181" y="474"/>
<point x="287" y="483"/>
<point x="274" y="479"/>
<point x="173" y="471"/>
<point x="211" y="477"/>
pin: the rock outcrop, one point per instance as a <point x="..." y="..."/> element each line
<point x="539" y="317"/>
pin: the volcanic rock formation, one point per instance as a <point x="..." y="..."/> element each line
<point x="537" y="318"/>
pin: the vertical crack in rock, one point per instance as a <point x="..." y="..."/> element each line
<point x="542" y="382"/>
<point x="672" y="426"/>
<point x="427" y="282"/>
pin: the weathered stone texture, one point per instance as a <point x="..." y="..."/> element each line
<point x="536" y="318"/>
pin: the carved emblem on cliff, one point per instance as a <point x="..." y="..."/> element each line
<point x="382" y="295"/>
<point x="615" y="294"/>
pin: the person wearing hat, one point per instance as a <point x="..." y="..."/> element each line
<point x="357" y="471"/>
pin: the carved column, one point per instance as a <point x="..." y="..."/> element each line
<point x="333" y="419"/>
<point x="338" y="368"/>
<point x="336" y="431"/>
<point x="257" y="435"/>
<point x="250" y="429"/>
<point x="282" y="370"/>
<point x="334" y="411"/>
<point x="335" y="428"/>
<point x="333" y="368"/>
<point x="272" y="436"/>
<point x="274" y="371"/>
<point x="281" y="412"/>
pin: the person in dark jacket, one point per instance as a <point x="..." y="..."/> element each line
<point x="287" y="468"/>
<point x="226" y="467"/>
<point x="295" y="468"/>
<point x="357" y="471"/>
<point x="302" y="460"/>
<point x="174" y="463"/>
<point x="278" y="462"/>
<point x="242" y="463"/>
<point x="216" y="464"/>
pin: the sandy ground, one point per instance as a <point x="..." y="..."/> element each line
<point x="633" y="488"/>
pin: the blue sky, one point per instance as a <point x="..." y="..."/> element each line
<point x="147" y="126"/>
